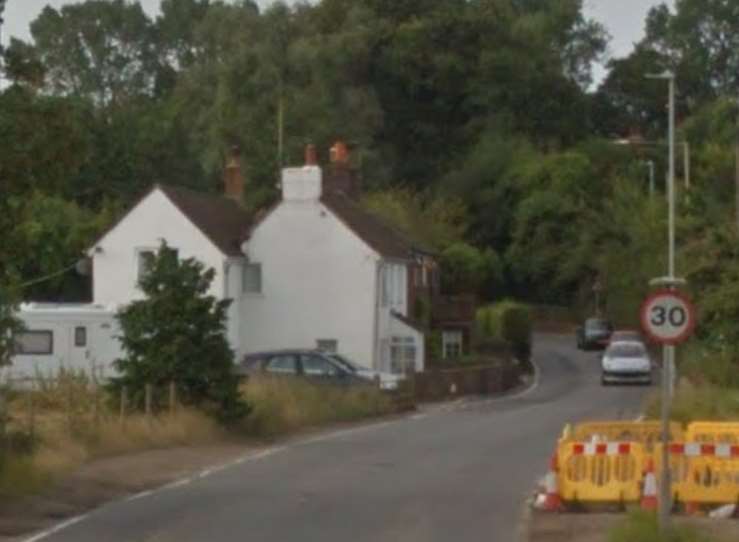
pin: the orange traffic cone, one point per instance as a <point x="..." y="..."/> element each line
<point x="692" y="508"/>
<point x="552" y="500"/>
<point x="649" y="492"/>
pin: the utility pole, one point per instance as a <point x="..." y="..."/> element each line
<point x="671" y="281"/>
<point x="737" y="164"/>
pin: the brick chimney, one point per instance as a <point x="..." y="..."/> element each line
<point x="342" y="177"/>
<point x="233" y="178"/>
<point x="311" y="155"/>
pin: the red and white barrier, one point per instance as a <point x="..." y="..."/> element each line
<point x="602" y="448"/>
<point x="697" y="449"/>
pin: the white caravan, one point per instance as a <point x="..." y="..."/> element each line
<point x="65" y="336"/>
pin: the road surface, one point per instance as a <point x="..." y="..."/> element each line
<point x="458" y="472"/>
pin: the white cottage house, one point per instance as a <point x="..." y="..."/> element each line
<point x="331" y="276"/>
<point x="315" y="271"/>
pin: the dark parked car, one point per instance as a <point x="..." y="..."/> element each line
<point x="595" y="333"/>
<point x="626" y="335"/>
<point x="314" y="365"/>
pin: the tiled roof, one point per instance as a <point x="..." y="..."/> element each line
<point x="221" y="219"/>
<point x="387" y="241"/>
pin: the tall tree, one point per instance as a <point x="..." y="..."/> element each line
<point x="700" y="41"/>
<point x="98" y="49"/>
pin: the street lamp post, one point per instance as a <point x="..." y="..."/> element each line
<point x="685" y="151"/>
<point x="671" y="281"/>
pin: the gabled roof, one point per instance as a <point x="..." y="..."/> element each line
<point x="223" y="221"/>
<point x="386" y="240"/>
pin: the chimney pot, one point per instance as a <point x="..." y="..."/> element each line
<point x="311" y="155"/>
<point x="233" y="178"/>
<point x="339" y="153"/>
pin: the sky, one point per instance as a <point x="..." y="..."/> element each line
<point x="624" y="19"/>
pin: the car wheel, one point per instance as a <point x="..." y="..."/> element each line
<point x="603" y="381"/>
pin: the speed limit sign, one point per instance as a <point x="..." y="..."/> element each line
<point x="668" y="317"/>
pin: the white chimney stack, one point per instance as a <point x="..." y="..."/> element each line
<point x="301" y="183"/>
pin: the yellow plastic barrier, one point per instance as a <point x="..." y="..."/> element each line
<point x="647" y="433"/>
<point x="704" y="473"/>
<point x="600" y="471"/>
<point x="713" y="432"/>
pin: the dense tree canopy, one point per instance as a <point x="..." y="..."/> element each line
<point x="473" y="123"/>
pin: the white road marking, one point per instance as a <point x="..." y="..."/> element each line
<point x="346" y="432"/>
<point x="56" y="528"/>
<point x="140" y="495"/>
<point x="458" y="404"/>
<point x="177" y="484"/>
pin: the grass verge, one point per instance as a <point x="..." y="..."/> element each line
<point x="698" y="401"/>
<point x="643" y="527"/>
<point x="66" y="422"/>
<point x="283" y="405"/>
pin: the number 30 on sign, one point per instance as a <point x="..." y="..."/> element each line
<point x="668" y="317"/>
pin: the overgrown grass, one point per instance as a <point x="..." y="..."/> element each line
<point x="66" y="421"/>
<point x="643" y="527"/>
<point x="71" y="422"/>
<point x="700" y="401"/>
<point x="284" y="405"/>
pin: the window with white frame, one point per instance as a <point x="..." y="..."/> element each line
<point x="452" y="344"/>
<point x="144" y="262"/>
<point x="34" y="343"/>
<point x="328" y="345"/>
<point x="252" y="278"/>
<point x="402" y="354"/>
<point x="394" y="286"/>
<point x="80" y="336"/>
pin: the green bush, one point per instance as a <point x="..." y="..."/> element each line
<point x="643" y="527"/>
<point x="716" y="367"/>
<point x="509" y="321"/>
<point x="178" y="334"/>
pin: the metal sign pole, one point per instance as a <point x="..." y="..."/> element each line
<point x="665" y="494"/>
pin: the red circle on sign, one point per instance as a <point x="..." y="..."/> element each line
<point x="689" y="328"/>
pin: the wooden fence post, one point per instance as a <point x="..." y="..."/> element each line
<point x="147" y="399"/>
<point x="172" y="397"/>
<point x="124" y="401"/>
<point x="3" y="424"/>
<point x="70" y="406"/>
<point x="32" y="412"/>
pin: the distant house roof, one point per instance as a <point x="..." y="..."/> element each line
<point x="226" y="224"/>
<point x="223" y="221"/>
<point x="386" y="240"/>
<point x="413" y="324"/>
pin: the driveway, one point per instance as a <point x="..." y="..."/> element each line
<point x="456" y="472"/>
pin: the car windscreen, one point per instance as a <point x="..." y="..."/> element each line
<point x="597" y="325"/>
<point x="346" y="363"/>
<point x="626" y="351"/>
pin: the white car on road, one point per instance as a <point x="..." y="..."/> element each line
<point x="626" y="362"/>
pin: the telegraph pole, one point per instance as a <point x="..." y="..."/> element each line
<point x="737" y="164"/>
